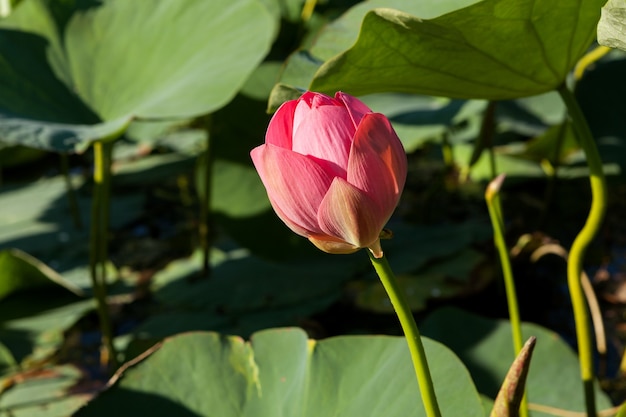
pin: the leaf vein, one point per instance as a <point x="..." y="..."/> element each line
<point x="544" y="52"/>
<point x="492" y="58"/>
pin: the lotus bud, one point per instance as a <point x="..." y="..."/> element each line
<point x="333" y="170"/>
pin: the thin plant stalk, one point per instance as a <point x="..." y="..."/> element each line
<point x="492" y="197"/>
<point x="551" y="168"/>
<point x="447" y="151"/>
<point x="590" y="295"/>
<point x="581" y="242"/>
<point x="71" y="192"/>
<point x="485" y="138"/>
<point x="407" y="321"/>
<point x="98" y="243"/>
<point x="307" y="10"/>
<point x="205" y="228"/>
<point x="589" y="58"/>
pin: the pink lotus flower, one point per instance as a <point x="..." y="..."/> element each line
<point x="333" y="171"/>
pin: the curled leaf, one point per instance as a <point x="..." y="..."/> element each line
<point x="512" y="390"/>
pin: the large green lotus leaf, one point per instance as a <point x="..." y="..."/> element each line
<point x="494" y="49"/>
<point x="282" y="373"/>
<point x="36" y="108"/>
<point x="185" y="58"/>
<point x="119" y="60"/>
<point x="486" y="348"/>
<point x="342" y="33"/>
<point x="49" y="392"/>
<point x="19" y="271"/>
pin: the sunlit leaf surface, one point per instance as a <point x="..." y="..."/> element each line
<point x="282" y="373"/>
<point x="463" y="54"/>
<point x="67" y="82"/>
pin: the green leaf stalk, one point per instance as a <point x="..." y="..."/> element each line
<point x="407" y="321"/>
<point x="582" y="241"/>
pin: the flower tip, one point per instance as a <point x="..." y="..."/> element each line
<point x="494" y="186"/>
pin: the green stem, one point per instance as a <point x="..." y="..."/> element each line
<point x="403" y="311"/>
<point x="582" y="241"/>
<point x="492" y="197"/>
<point x="71" y="193"/>
<point x="205" y="228"/>
<point x="307" y="10"/>
<point x="485" y="138"/>
<point x="98" y="240"/>
<point x="551" y="168"/>
<point x="105" y="202"/>
<point x="447" y="152"/>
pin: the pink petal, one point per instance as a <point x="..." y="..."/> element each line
<point x="319" y="100"/>
<point x="377" y="163"/>
<point x="326" y="134"/>
<point x="295" y="185"/>
<point x="348" y="214"/>
<point x="356" y="108"/>
<point x="280" y="129"/>
<point x="306" y="102"/>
